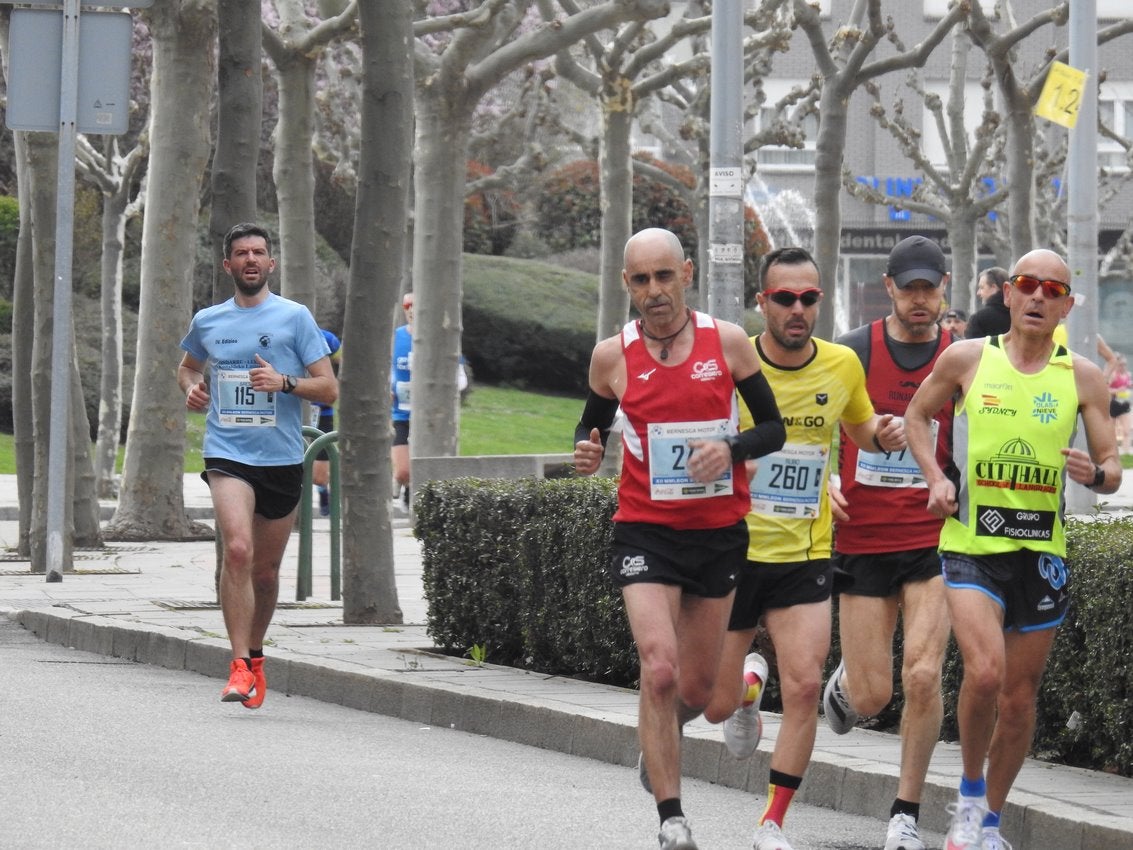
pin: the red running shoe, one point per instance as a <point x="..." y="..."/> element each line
<point x="241" y="683"/>
<point x="257" y="698"/>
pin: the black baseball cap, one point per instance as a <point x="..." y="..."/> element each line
<point x="956" y="314"/>
<point x="916" y="258"/>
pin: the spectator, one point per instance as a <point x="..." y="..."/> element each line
<point x="993" y="317"/>
<point x="955" y="321"/>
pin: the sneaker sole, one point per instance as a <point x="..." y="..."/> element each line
<point x="235" y="696"/>
<point x="838" y="720"/>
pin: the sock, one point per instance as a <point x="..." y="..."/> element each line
<point x="256" y="653"/>
<point x="973" y="787"/>
<point x="781" y="789"/>
<point x="992" y="819"/>
<point x="670" y="808"/>
<point x="904" y="807"/>
<point x="751" y="690"/>
<point x="247" y="662"/>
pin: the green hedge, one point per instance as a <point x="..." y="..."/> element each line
<point x="519" y="567"/>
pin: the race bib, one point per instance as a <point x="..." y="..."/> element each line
<point x="788" y="483"/>
<point x="891" y="469"/>
<point x="669" y="454"/>
<point x="402" y="395"/>
<point x="240" y="405"/>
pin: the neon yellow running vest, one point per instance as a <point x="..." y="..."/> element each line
<point x="1007" y="441"/>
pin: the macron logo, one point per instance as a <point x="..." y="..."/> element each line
<point x="644" y="376"/>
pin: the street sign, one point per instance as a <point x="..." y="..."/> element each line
<point x="110" y="4"/>
<point x="35" y="60"/>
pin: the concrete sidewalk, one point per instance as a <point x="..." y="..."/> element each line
<point x="153" y="602"/>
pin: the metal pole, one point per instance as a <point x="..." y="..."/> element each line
<point x="1082" y="209"/>
<point x="57" y="451"/>
<point x="725" y="194"/>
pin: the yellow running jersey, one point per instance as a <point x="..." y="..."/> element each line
<point x="1007" y="441"/>
<point x="790" y="511"/>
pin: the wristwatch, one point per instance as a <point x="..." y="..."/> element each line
<point x="289" y="383"/>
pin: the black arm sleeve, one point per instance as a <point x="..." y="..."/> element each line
<point x="769" y="434"/>
<point x="597" y="413"/>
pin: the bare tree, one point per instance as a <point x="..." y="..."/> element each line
<point x="239" y="113"/>
<point x="842" y="63"/>
<point x="956" y="192"/>
<point x="294" y="50"/>
<point x="152" y="501"/>
<point x="117" y="178"/>
<point x="377" y="264"/>
<point x="458" y="59"/>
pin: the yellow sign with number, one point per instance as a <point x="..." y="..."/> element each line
<point x="1061" y="95"/>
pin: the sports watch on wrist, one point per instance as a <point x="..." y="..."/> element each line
<point x="289" y="383"/>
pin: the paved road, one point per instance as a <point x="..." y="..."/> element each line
<point x="137" y="756"/>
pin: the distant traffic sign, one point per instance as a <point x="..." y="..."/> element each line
<point x="35" y="59"/>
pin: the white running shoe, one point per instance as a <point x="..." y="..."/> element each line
<point x="966" y="829"/>
<point x="840" y="715"/>
<point x="902" y="834"/>
<point x="744" y="728"/>
<point x="676" y="834"/>
<point x="770" y="837"/>
<point x="993" y="840"/>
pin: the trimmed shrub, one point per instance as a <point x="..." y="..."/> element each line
<point x="521" y="567"/>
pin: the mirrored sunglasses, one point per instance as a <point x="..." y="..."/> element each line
<point x="1027" y="284"/>
<point x="788" y="297"/>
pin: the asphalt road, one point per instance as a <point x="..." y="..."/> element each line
<point x="98" y="752"/>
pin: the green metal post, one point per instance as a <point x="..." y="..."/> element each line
<point x="304" y="584"/>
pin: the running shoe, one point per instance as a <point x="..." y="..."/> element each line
<point x="241" y="682"/>
<point x="902" y="834"/>
<point x="257" y="698"/>
<point x="840" y="715"/>
<point x="676" y="834"/>
<point x="966" y="829"/>
<point x="770" y="837"/>
<point x="744" y="728"/>
<point x="993" y="840"/>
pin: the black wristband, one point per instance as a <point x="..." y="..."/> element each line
<point x="1099" y="477"/>
<point x="877" y="443"/>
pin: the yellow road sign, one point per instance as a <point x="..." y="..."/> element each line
<point x="1061" y="95"/>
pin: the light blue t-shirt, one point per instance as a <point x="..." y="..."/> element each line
<point x="256" y="428"/>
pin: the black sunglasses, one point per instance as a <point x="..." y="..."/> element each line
<point x="788" y="297"/>
<point x="1027" y="284"/>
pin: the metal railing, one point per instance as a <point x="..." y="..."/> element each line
<point x="303" y="583"/>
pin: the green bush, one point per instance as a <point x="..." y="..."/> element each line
<point x="520" y="567"/>
<point x="529" y="324"/>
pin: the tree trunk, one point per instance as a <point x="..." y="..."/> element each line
<point x="239" y="116"/>
<point x="295" y="179"/>
<point x="616" y="185"/>
<point x="83" y="484"/>
<point x="377" y="266"/>
<point x="152" y="501"/>
<point x="441" y="153"/>
<point x="829" y="148"/>
<point x="110" y="386"/>
<point x="43" y="156"/>
<point x="964" y="255"/>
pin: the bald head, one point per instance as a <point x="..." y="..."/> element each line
<point x="1042" y="263"/>
<point x="654" y="238"/>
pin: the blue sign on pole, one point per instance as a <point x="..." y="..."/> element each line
<point x="35" y="60"/>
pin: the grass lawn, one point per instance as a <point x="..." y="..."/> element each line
<point x="493" y="421"/>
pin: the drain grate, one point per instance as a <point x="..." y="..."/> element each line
<point x="191" y="605"/>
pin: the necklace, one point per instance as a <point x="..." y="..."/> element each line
<point x="666" y="340"/>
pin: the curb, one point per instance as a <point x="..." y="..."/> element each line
<point x="857" y="785"/>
